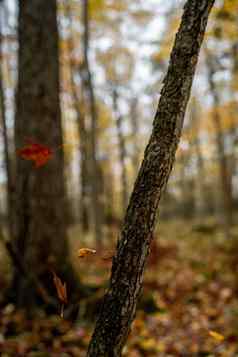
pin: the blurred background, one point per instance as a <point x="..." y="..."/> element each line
<point x="79" y="86"/>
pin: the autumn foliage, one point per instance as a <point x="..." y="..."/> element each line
<point x="38" y="153"/>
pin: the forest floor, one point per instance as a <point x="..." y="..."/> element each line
<point x="189" y="305"/>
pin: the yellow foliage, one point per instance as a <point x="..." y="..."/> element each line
<point x="118" y="63"/>
<point x="227" y="113"/>
<point x="165" y="48"/>
<point x="225" y="20"/>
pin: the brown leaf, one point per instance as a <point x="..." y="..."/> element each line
<point x="60" y="288"/>
<point x="84" y="252"/>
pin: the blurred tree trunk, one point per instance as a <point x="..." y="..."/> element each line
<point x="119" y="304"/>
<point x="200" y="201"/>
<point x="122" y="150"/>
<point x="225" y="174"/>
<point x="234" y="109"/>
<point x="84" y="172"/>
<point x="40" y="202"/>
<point x="90" y="99"/>
<point x="79" y="107"/>
<point x="135" y="133"/>
<point x="7" y="160"/>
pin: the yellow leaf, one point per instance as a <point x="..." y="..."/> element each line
<point x="149" y="344"/>
<point x="84" y="252"/>
<point x="217" y="336"/>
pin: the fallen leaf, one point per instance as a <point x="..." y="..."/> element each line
<point x="84" y="252"/>
<point x="217" y="336"/>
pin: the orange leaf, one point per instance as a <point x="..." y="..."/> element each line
<point x="60" y="288"/>
<point x="38" y="153"/>
<point x="217" y="336"/>
<point x="83" y="252"/>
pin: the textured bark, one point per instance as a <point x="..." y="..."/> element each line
<point x="225" y="174"/>
<point x="119" y="304"/>
<point x="122" y="151"/>
<point x="41" y="213"/>
<point x="90" y="98"/>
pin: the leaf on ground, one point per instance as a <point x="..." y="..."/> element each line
<point x="84" y="252"/>
<point x="217" y="336"/>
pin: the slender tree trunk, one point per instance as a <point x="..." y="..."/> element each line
<point x="5" y="139"/>
<point x="184" y="184"/>
<point x="40" y="201"/>
<point x="122" y="151"/>
<point x="119" y="304"/>
<point x="225" y="175"/>
<point x="90" y="98"/>
<point x="135" y="132"/>
<point x="201" y="174"/>
<point x="234" y="109"/>
<point x="83" y="134"/>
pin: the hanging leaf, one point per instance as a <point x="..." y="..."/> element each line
<point x="84" y="252"/>
<point x="60" y="288"/>
<point x="38" y="153"/>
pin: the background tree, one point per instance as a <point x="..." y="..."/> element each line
<point x="7" y="160"/>
<point x="40" y="205"/>
<point x="90" y="99"/>
<point x="225" y="176"/>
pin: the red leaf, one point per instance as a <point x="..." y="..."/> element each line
<point x="38" y="153"/>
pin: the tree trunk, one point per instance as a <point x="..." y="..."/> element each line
<point x="90" y="98"/>
<point x="201" y="200"/>
<point x="83" y="133"/>
<point x="5" y="138"/>
<point x="122" y="151"/>
<point x="135" y="132"/>
<point x="119" y="304"/>
<point x="225" y="175"/>
<point x="40" y="202"/>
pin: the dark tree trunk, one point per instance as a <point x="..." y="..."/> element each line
<point x="119" y="304"/>
<point x="225" y="174"/>
<point x="40" y="203"/>
<point x="122" y="151"/>
<point x="90" y="98"/>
